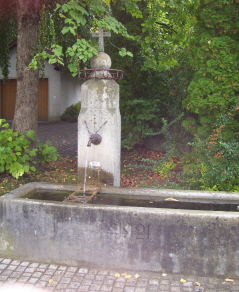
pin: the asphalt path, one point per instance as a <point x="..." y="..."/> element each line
<point x="63" y="135"/>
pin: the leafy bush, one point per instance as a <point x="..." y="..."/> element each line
<point x="214" y="54"/>
<point x="214" y="163"/>
<point x="71" y="113"/>
<point x="16" y="155"/>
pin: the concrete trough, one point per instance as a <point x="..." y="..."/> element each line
<point x="122" y="237"/>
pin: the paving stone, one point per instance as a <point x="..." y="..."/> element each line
<point x="90" y="276"/>
<point x="95" y="287"/>
<point x="140" y="289"/>
<point x="129" y="289"/>
<point x="49" y="272"/>
<point x="153" y="288"/>
<point x="108" y="282"/>
<point x="3" y="266"/>
<point x="99" y="278"/>
<point x="62" y="286"/>
<point x="106" y="288"/>
<point x="153" y="282"/>
<point x="72" y="269"/>
<point x="75" y="279"/>
<point x="120" y="279"/>
<point x="6" y="261"/>
<point x="53" y="267"/>
<point x="83" y="288"/>
<point x="103" y="272"/>
<point x="15" y="275"/>
<point x="65" y="280"/>
<point x="33" y="280"/>
<point x="45" y="278"/>
<point x="59" y="273"/>
<point x="23" y="279"/>
<point x="62" y="268"/>
<point x="29" y="270"/>
<point x="15" y="262"/>
<point x="142" y="282"/>
<point x="164" y="287"/>
<point x="20" y="269"/>
<point x="119" y="285"/>
<point x="24" y="264"/>
<point x="68" y="274"/>
<point x="41" y="283"/>
<point x="175" y="289"/>
<point x="86" y="282"/>
<point x="74" y="285"/>
<point x="7" y="272"/>
<point x="164" y="282"/>
<point x="83" y="271"/>
<point x="118" y="290"/>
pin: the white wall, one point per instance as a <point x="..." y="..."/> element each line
<point x="63" y="90"/>
<point x="70" y="93"/>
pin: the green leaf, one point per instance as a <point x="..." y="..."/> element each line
<point x="33" y="152"/>
<point x="26" y="168"/>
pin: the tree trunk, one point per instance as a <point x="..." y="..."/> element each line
<point x="26" y="108"/>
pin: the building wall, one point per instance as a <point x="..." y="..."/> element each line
<point x="71" y="91"/>
<point x="63" y="90"/>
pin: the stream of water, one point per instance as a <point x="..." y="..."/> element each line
<point x="86" y="165"/>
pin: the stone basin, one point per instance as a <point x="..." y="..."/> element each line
<point x="155" y="239"/>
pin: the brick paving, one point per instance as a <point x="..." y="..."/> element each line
<point x="24" y="276"/>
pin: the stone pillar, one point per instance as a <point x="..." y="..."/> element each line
<point x="99" y="114"/>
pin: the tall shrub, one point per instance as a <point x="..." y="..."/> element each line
<point x="214" y="51"/>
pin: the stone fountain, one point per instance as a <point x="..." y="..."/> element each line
<point x="99" y="123"/>
<point x="171" y="239"/>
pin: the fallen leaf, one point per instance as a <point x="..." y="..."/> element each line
<point x="183" y="280"/>
<point x="229" y="280"/>
<point x="128" y="276"/>
<point x="136" y="276"/>
<point x="197" y="284"/>
<point x="170" y="199"/>
<point x="50" y="281"/>
<point x="164" y="274"/>
<point x="117" y="275"/>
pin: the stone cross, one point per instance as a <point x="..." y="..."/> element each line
<point x="101" y="34"/>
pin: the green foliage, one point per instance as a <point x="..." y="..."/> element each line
<point x="164" y="167"/>
<point x="76" y="46"/>
<point x="16" y="155"/>
<point x="71" y="113"/>
<point x="138" y="115"/>
<point x="7" y="34"/>
<point x="214" y="163"/>
<point x="213" y="98"/>
<point x="214" y="54"/>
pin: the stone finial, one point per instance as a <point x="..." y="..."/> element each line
<point x="101" y="61"/>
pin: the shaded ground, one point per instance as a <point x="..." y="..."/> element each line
<point x="63" y="135"/>
<point x="140" y="167"/>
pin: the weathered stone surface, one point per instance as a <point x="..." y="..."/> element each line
<point x="100" y="114"/>
<point x="160" y="240"/>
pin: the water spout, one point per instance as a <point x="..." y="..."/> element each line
<point x="94" y="139"/>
